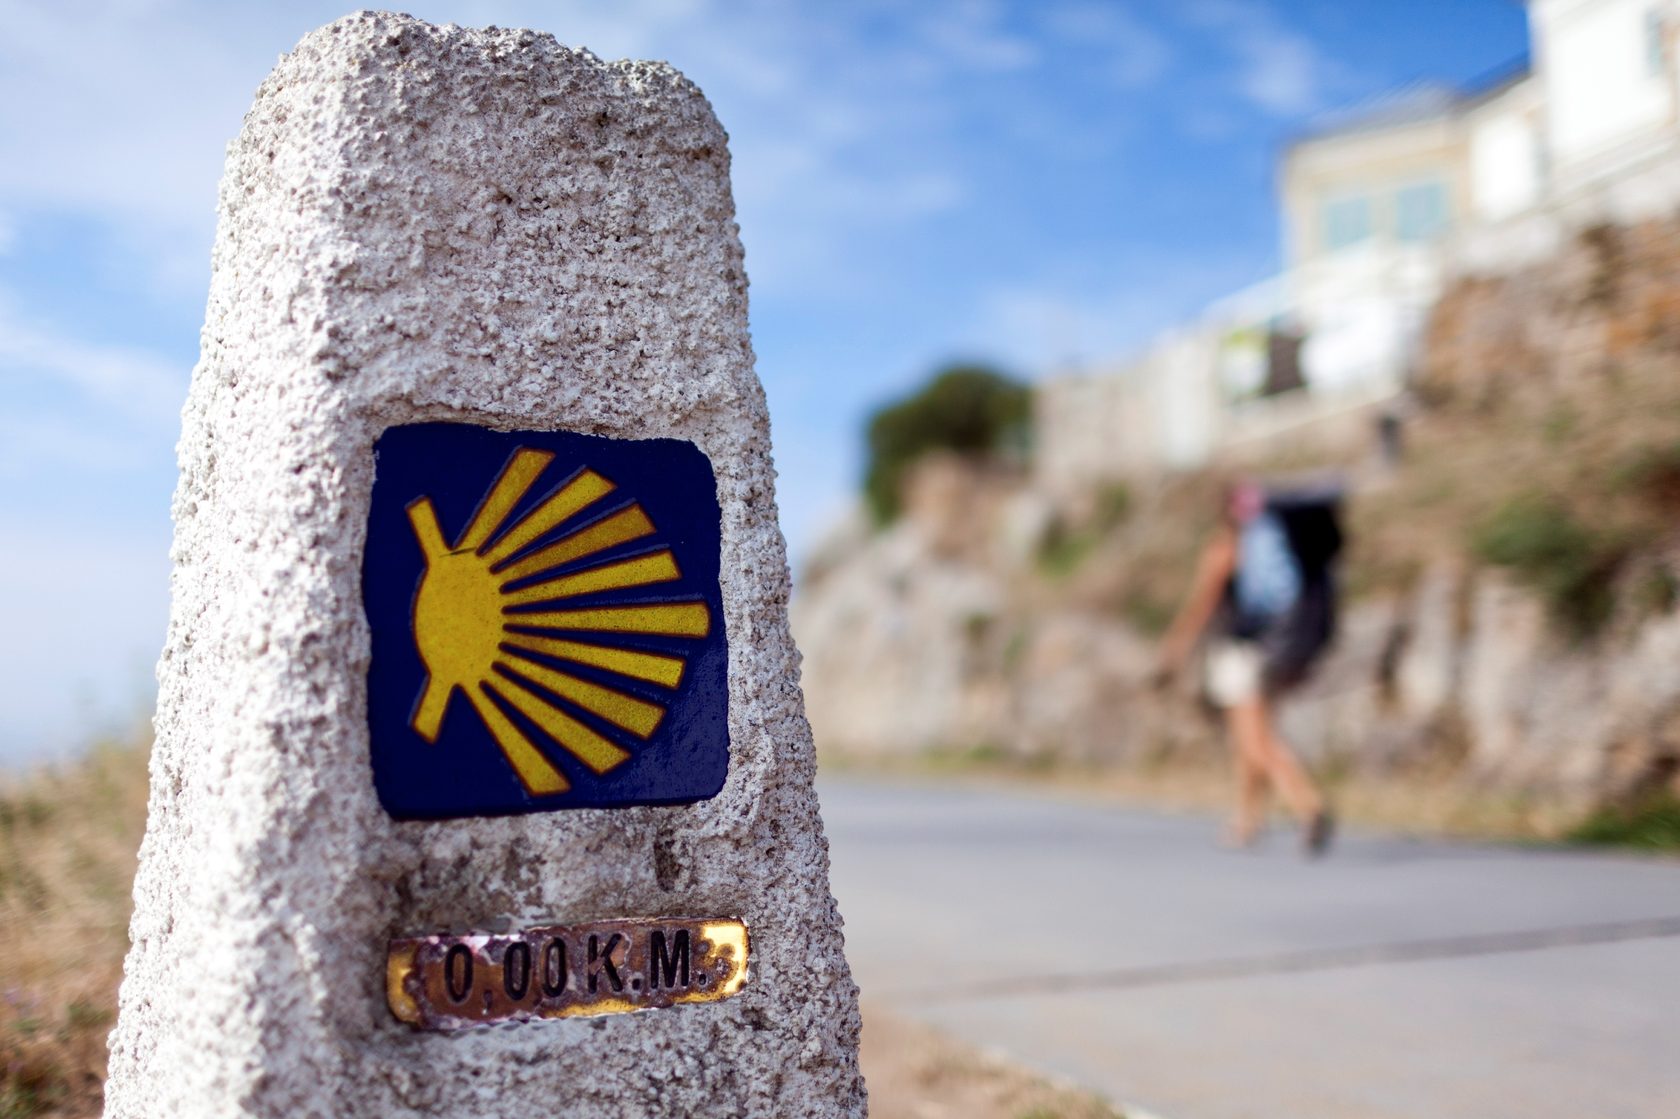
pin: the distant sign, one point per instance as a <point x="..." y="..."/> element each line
<point x="609" y="967"/>
<point x="547" y="625"/>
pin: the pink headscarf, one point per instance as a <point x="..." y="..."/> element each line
<point x="1244" y="501"/>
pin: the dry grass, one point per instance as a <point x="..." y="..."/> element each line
<point x="1130" y="559"/>
<point x="68" y="838"/>
<point x="1605" y="463"/>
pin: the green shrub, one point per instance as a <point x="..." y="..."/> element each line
<point x="965" y="408"/>
<point x="1147" y="614"/>
<point x="1568" y="564"/>
<point x="1063" y="549"/>
<point x="1015" y="649"/>
<point x="1065" y="545"/>
<point x="1656" y="592"/>
<point x="1560" y="423"/>
<point x="1654" y="824"/>
<point x="1114" y="505"/>
<point x="1651" y="473"/>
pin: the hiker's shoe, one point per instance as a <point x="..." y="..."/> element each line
<point x="1320" y="830"/>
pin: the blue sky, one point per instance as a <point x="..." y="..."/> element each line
<point x="1035" y="184"/>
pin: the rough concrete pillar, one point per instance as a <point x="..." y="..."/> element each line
<point x="514" y="270"/>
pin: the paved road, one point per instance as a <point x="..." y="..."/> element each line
<point x="1397" y="978"/>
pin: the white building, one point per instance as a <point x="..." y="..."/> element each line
<point x="1607" y="68"/>
<point x="1379" y="206"/>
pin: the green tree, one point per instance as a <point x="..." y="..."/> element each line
<point x="970" y="409"/>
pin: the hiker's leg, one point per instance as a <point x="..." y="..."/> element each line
<point x="1251" y="802"/>
<point x="1294" y="784"/>
<point x="1247" y="729"/>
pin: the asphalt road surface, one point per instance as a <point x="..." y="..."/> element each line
<point x="1123" y="950"/>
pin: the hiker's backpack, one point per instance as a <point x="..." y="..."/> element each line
<point x="1283" y="587"/>
<point x="1312" y="519"/>
<point x="1268" y="578"/>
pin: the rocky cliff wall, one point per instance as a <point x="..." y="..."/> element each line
<point x="1006" y="616"/>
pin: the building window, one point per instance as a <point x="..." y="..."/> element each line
<point x="1654" y="47"/>
<point x="1420" y="211"/>
<point x="1347" y="221"/>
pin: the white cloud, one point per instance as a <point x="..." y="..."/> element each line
<point x="971" y="34"/>
<point x="38" y="446"/>
<point x="133" y="383"/>
<point x="1137" y="55"/>
<point x="122" y="113"/>
<point x="839" y="130"/>
<point x="1048" y="325"/>
<point x="1281" y="71"/>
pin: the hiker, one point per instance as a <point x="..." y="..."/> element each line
<point x="1264" y="582"/>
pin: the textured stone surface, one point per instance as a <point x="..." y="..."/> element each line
<point x="422" y="223"/>
<point x="938" y="633"/>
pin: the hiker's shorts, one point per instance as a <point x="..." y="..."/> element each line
<point x="1234" y="670"/>
<point x="1240" y="666"/>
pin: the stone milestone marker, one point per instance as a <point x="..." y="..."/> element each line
<point x="482" y="784"/>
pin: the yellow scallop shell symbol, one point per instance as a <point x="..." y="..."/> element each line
<point x="465" y="617"/>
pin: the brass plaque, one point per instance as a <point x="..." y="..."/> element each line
<point x="564" y="971"/>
